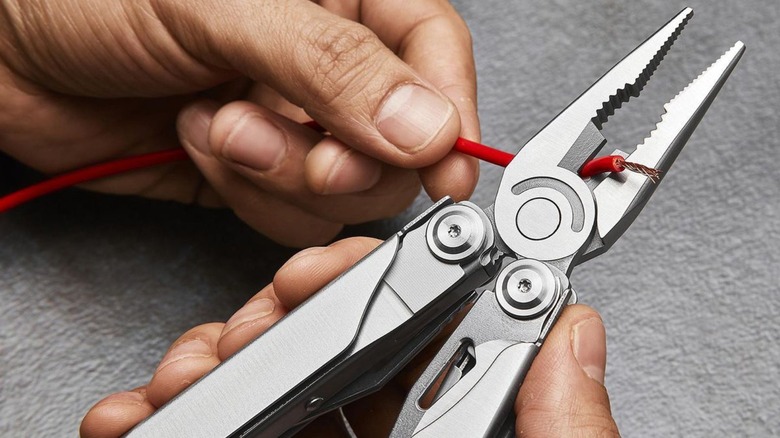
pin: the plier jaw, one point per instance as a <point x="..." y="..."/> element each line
<point x="533" y="224"/>
<point x="621" y="199"/>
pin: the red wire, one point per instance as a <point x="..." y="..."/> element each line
<point x="88" y="174"/>
<point x="485" y="153"/>
<point x="607" y="164"/>
<point x="468" y="147"/>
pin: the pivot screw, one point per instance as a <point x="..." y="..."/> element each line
<point x="524" y="286"/>
<point x="456" y="233"/>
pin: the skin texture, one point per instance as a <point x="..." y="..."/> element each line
<point x="563" y="394"/>
<point x="84" y="81"/>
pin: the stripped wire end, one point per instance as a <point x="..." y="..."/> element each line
<point x="616" y="164"/>
<point x="653" y="174"/>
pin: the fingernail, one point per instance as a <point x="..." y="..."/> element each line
<point x="252" y="311"/>
<point x="125" y="398"/>
<point x="589" y="343"/>
<point x="255" y="142"/>
<point x="352" y="172"/>
<point x="194" y="126"/>
<point x="411" y="116"/>
<point x="185" y="350"/>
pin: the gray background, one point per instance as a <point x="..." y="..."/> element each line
<point x="94" y="288"/>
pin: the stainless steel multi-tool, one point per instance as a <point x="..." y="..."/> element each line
<point x="510" y="261"/>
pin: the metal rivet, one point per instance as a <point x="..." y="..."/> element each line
<point x="456" y="233"/>
<point x="526" y="288"/>
<point x="314" y="404"/>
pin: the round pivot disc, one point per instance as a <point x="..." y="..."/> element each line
<point x="456" y="233"/>
<point x="526" y="288"/>
<point x="538" y="219"/>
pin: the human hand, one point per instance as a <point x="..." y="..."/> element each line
<point x="562" y="395"/>
<point x="83" y="81"/>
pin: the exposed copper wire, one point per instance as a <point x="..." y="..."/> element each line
<point x="653" y="174"/>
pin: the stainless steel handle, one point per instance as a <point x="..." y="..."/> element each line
<point x="478" y="404"/>
<point x="252" y="381"/>
<point x="345" y="341"/>
<point x="471" y="385"/>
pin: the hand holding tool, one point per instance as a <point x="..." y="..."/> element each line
<point x="511" y="261"/>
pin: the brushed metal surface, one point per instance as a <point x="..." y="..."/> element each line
<point x="269" y="367"/>
<point x="475" y="407"/>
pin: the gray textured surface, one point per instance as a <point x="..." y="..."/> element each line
<point x="94" y="288"/>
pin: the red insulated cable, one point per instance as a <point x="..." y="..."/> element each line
<point x="608" y="164"/>
<point x="468" y="147"/>
<point x="485" y="153"/>
<point x="90" y="173"/>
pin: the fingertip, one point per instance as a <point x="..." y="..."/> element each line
<point x="563" y="394"/>
<point x="193" y="124"/>
<point x="587" y="339"/>
<point x="356" y="247"/>
<point x="333" y="168"/>
<point x="250" y="321"/>
<point x="116" y="414"/>
<point x="244" y="134"/>
<point x="578" y="312"/>
<point x="590" y="347"/>
<point x="189" y="358"/>
<point x="311" y="270"/>
<point x="456" y="176"/>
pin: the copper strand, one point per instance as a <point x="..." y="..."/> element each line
<point x="653" y="174"/>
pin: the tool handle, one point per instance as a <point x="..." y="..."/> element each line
<point x="471" y="385"/>
<point x="344" y="342"/>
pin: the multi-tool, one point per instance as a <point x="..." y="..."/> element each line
<point x="508" y="263"/>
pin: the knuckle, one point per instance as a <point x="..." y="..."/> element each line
<point x="345" y="57"/>
<point x="463" y="29"/>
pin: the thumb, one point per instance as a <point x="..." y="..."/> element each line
<point x="337" y="70"/>
<point x="563" y="394"/>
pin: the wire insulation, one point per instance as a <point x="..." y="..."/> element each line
<point x="468" y="147"/>
<point x="485" y="153"/>
<point x="615" y="164"/>
<point x="597" y="166"/>
<point x="90" y="173"/>
<point x="612" y="163"/>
